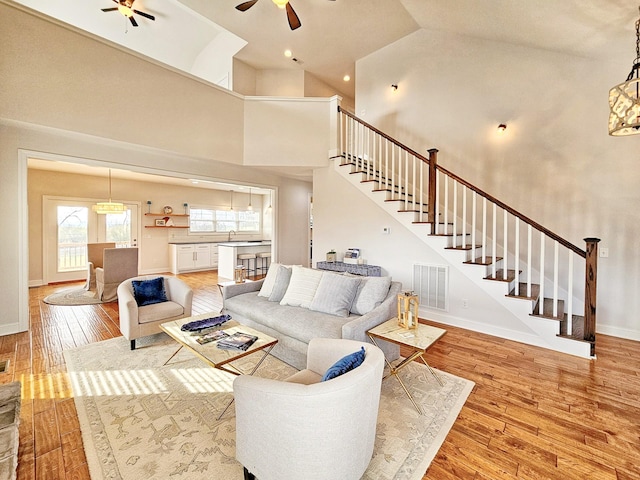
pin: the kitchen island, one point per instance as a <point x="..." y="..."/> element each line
<point x="228" y="254"/>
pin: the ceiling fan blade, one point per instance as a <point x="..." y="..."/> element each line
<point x="146" y="15"/>
<point x="294" y="21"/>
<point x="133" y="21"/>
<point x="110" y="9"/>
<point x="243" y="7"/>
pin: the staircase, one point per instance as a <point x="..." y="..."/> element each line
<point x="544" y="280"/>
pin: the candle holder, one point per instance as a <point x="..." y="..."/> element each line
<point x="408" y="310"/>
<point x="240" y="274"/>
<point x="148" y="206"/>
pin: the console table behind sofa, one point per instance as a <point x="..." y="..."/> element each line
<point x="364" y="270"/>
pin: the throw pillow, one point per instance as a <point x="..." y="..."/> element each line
<point x="302" y="286"/>
<point x="335" y="294"/>
<point x="371" y="293"/>
<point x="281" y="284"/>
<point x="344" y="365"/>
<point x="148" y="292"/>
<point x="269" y="280"/>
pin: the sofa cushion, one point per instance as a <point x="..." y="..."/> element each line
<point x="299" y="323"/>
<point x="302" y="286"/>
<point x="148" y="292"/>
<point x="344" y="365"/>
<point x="335" y="294"/>
<point x="371" y="293"/>
<point x="281" y="284"/>
<point x="269" y="280"/>
<point x="158" y="311"/>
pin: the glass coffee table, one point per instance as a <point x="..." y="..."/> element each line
<point x="418" y="340"/>
<point x="217" y="357"/>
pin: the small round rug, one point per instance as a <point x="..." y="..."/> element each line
<point x="73" y="296"/>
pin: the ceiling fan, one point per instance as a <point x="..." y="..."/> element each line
<point x="292" y="17"/>
<point x="125" y="7"/>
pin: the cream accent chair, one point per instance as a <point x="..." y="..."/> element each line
<point x="302" y="428"/>
<point x="118" y="264"/>
<point x="94" y="260"/>
<point x="136" y="322"/>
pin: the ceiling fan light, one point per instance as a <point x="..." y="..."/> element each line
<point x="126" y="11"/>
<point x="280" y="3"/>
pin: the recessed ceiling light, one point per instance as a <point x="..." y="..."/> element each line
<point x="346" y="78"/>
<point x="288" y="53"/>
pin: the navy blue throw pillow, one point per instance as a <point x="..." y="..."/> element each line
<point x="148" y="292"/>
<point x="345" y="364"/>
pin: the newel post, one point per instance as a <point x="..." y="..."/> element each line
<point x="431" y="200"/>
<point x="591" y="272"/>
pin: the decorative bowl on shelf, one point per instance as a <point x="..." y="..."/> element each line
<point x="167" y="209"/>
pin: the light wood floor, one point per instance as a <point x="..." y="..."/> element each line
<point x="533" y="414"/>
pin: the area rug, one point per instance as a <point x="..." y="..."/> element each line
<point x="142" y="420"/>
<point x="73" y="296"/>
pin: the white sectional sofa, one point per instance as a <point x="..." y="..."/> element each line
<point x="295" y="304"/>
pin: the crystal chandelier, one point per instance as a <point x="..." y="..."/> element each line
<point x="624" y="99"/>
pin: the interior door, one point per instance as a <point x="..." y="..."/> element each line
<point x="69" y="224"/>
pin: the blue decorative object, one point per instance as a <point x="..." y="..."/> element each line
<point x="345" y="364"/>
<point x="148" y="292"/>
<point x="205" y="323"/>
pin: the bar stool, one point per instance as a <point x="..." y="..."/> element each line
<point x="248" y="257"/>
<point x="265" y="261"/>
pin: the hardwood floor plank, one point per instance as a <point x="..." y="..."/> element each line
<point x="532" y="413"/>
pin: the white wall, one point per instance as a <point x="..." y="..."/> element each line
<point x="289" y="131"/>
<point x="556" y="163"/>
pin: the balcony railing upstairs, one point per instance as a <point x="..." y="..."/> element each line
<point x="539" y="264"/>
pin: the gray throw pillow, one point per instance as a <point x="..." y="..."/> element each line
<point x="335" y="294"/>
<point x="371" y="293"/>
<point x="280" y="285"/>
<point x="269" y="280"/>
<point x="302" y="287"/>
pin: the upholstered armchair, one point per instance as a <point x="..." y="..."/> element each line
<point x="303" y="428"/>
<point x="118" y="264"/>
<point x="94" y="260"/>
<point x="140" y="321"/>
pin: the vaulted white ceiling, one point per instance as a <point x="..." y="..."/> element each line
<point x="334" y="34"/>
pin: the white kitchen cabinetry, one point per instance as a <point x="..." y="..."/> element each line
<point x="193" y="256"/>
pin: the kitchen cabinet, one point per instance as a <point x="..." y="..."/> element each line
<point x="189" y="257"/>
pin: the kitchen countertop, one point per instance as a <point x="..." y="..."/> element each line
<point x="245" y="244"/>
<point x="228" y="244"/>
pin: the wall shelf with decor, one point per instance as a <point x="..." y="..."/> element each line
<point x="166" y="226"/>
<point x="166" y="215"/>
<point x="165" y="221"/>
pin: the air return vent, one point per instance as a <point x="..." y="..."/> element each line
<point x="431" y="284"/>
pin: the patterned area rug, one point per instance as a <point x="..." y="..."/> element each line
<point x="142" y="420"/>
<point x="73" y="296"/>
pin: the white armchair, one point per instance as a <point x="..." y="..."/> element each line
<point x="304" y="428"/>
<point x="136" y="322"/>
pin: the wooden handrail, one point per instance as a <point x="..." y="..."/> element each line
<point x="515" y="213"/>
<point x="384" y="135"/>
<point x="477" y="190"/>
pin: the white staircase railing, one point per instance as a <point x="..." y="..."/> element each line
<point x="539" y="264"/>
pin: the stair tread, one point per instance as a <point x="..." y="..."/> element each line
<point x="535" y="291"/>
<point x="548" y="309"/>
<point x="487" y="261"/>
<point x="465" y="248"/>
<point x="499" y="277"/>
<point x="578" y="329"/>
